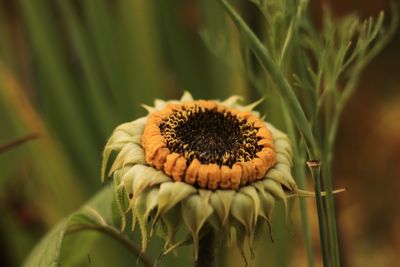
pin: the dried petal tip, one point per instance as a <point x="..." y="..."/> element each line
<point x="207" y="140"/>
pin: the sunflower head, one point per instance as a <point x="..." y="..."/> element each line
<point x="208" y="145"/>
<point x="201" y="164"/>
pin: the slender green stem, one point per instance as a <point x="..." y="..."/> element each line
<point x="328" y="178"/>
<point x="332" y="226"/>
<point x="315" y="169"/>
<point x="117" y="236"/>
<point x="300" y="176"/>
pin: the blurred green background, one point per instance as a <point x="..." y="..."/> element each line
<point x="73" y="70"/>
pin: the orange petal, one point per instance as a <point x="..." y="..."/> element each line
<point x="245" y="173"/>
<point x="236" y="176"/>
<point x="211" y="104"/>
<point x="214" y="176"/>
<point x="156" y="118"/>
<point x="259" y="124"/>
<point x="191" y="172"/>
<point x="179" y="169"/>
<point x="233" y="111"/>
<point x="268" y="156"/>
<point x="170" y="163"/>
<point x="244" y="114"/>
<point x="221" y="108"/>
<point x="202" y="176"/>
<point x="264" y="133"/>
<point x="251" y="170"/>
<point x="226" y="174"/>
<point x="260" y="166"/>
<point x="161" y="158"/>
<point x="252" y="119"/>
<point x="265" y="142"/>
<point x="150" y="131"/>
<point x="152" y="149"/>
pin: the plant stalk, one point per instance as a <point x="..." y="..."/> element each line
<point x="331" y="216"/>
<point x="328" y="178"/>
<point x="300" y="176"/>
<point x="315" y="169"/>
<point x="207" y="248"/>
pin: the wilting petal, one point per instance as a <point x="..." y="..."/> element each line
<point x="172" y="193"/>
<point x="221" y="201"/>
<point x="131" y="154"/>
<point x="251" y="192"/>
<point x="144" y="177"/>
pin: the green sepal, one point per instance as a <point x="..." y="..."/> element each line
<point x="251" y="192"/>
<point x="267" y="203"/>
<point x="143" y="177"/>
<point x="120" y="205"/>
<point x="140" y="210"/>
<point x="129" y="155"/>
<point x="171" y="220"/>
<point x="221" y="201"/>
<point x="277" y="191"/>
<point x="172" y="193"/>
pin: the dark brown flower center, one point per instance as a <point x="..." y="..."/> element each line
<point x="211" y="136"/>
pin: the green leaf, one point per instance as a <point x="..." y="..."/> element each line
<point x="47" y="252"/>
<point x="97" y="212"/>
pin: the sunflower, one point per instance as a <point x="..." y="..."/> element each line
<point x="204" y="164"/>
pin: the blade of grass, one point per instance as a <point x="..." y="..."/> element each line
<point x="102" y="29"/>
<point x="60" y="101"/>
<point x="139" y="53"/>
<point x="101" y="112"/>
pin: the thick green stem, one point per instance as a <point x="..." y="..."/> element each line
<point x="207" y="248"/>
<point x="315" y="169"/>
